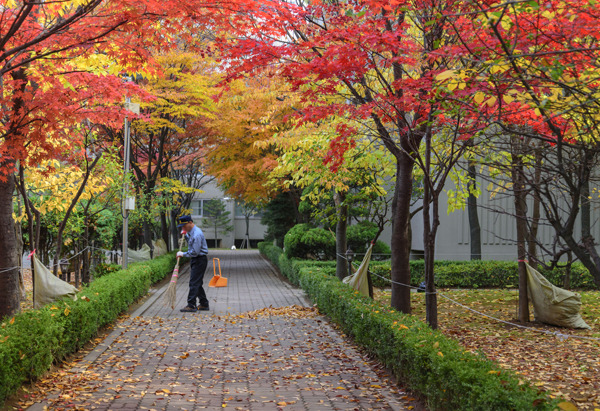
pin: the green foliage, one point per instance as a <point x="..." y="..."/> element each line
<point x="279" y="216"/>
<point x="217" y="217"/>
<point x="360" y="235"/>
<point x="430" y="363"/>
<point x="304" y="241"/>
<point x="383" y="250"/>
<point x="105" y="268"/>
<point x="31" y="341"/>
<point x="481" y="274"/>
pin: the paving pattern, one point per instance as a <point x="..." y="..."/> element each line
<point x="262" y="346"/>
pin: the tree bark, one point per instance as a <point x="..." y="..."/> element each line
<point x="535" y="218"/>
<point x="400" y="233"/>
<point x="341" y="243"/>
<point x="474" y="226"/>
<point x="164" y="229"/>
<point x="430" y="228"/>
<point x="9" y="272"/>
<point x="521" y="221"/>
<point x="87" y="255"/>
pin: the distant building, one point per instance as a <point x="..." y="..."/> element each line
<point x="236" y="237"/>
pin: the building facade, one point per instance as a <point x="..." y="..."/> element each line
<point x="247" y="230"/>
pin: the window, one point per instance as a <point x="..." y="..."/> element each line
<point x="197" y="208"/>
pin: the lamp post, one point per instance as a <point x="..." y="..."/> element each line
<point x="126" y="153"/>
<point x="128" y="202"/>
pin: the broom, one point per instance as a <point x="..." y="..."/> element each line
<point x="172" y="290"/>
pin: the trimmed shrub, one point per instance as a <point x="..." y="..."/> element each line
<point x="292" y="241"/>
<point x="304" y="241"/>
<point x="441" y="370"/>
<point x="480" y="274"/>
<point x="31" y="341"/>
<point x="105" y="268"/>
<point x="360" y="235"/>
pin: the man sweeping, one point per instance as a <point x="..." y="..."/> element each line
<point x="197" y="252"/>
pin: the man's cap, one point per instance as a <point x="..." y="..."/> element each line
<point x="183" y="220"/>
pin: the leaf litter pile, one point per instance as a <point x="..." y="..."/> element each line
<point x="273" y="358"/>
<point x="563" y="366"/>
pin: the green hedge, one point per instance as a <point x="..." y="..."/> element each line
<point x="430" y="363"/>
<point x="31" y="341"/>
<point x="480" y="274"/>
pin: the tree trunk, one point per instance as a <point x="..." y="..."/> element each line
<point x="521" y="221"/>
<point x="535" y="218"/>
<point x="247" y="235"/>
<point x="63" y="223"/>
<point x="147" y="235"/>
<point x="586" y="211"/>
<point x="429" y="232"/>
<point x="9" y="271"/>
<point x="341" y="242"/>
<point x="87" y="255"/>
<point x="400" y="233"/>
<point x="164" y="229"/>
<point x="474" y="226"/>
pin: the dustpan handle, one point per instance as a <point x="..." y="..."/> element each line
<point x="214" y="268"/>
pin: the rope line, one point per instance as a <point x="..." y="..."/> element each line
<point x="50" y="266"/>
<point x="557" y="334"/>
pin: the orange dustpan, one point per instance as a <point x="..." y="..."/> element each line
<point x="217" y="280"/>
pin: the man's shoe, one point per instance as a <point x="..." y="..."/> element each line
<point x="188" y="309"/>
<point x="202" y="308"/>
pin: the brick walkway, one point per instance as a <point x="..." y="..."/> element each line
<point x="289" y="358"/>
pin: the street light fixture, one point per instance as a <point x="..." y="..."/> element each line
<point x="128" y="202"/>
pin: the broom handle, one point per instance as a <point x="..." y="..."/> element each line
<point x="180" y="247"/>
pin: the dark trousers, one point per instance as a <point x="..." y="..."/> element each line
<point x="197" y="269"/>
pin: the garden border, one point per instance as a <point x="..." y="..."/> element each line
<point x="30" y="342"/>
<point x="430" y="363"/>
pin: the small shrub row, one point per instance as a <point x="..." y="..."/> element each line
<point x="306" y="241"/>
<point x="480" y="274"/>
<point x="31" y="341"/>
<point x="430" y="363"/>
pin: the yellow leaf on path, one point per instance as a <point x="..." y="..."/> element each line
<point x="567" y="406"/>
<point x="282" y="403"/>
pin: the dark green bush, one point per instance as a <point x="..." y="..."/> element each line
<point x="304" y="241"/>
<point x="292" y="241"/>
<point x="31" y="341"/>
<point x="480" y="274"/>
<point x="360" y="235"/>
<point x="430" y="363"/>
